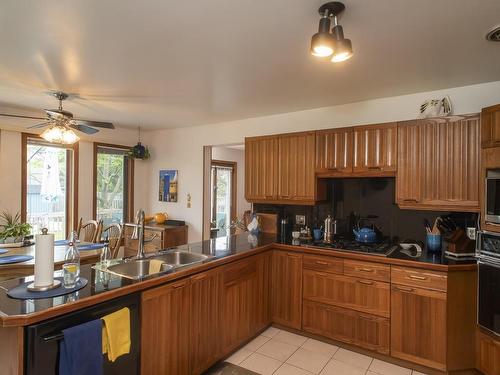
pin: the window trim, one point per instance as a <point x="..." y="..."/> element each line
<point x="234" y="174"/>
<point x="71" y="180"/>
<point x="130" y="181"/>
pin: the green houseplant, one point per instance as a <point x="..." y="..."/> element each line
<point x="11" y="228"/>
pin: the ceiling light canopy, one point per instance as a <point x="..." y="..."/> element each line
<point x="331" y="43"/>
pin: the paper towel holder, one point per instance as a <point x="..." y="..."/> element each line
<point x="56" y="284"/>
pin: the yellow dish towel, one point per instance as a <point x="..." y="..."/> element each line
<point x="155" y="266"/>
<point x="116" y="334"/>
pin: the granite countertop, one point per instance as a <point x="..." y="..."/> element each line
<point x="104" y="286"/>
<point x="439" y="259"/>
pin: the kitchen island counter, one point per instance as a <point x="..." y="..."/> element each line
<point x="104" y="286"/>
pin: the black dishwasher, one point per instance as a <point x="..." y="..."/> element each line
<point x="42" y="339"/>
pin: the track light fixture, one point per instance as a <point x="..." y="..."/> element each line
<point x="332" y="44"/>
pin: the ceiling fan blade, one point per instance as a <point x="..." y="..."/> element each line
<point x="97" y="124"/>
<point x="84" y="128"/>
<point x="36" y="126"/>
<point x="23" y="116"/>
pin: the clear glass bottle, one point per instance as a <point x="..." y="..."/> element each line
<point x="105" y="254"/>
<point x="71" y="266"/>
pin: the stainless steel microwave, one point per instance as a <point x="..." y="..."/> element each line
<point x="492" y="196"/>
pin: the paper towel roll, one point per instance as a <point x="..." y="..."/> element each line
<point x="44" y="260"/>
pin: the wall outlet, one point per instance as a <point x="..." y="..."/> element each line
<point x="300" y="219"/>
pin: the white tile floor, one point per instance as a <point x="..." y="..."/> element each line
<point x="280" y="352"/>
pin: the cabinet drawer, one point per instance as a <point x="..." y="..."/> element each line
<point x="367" y="270"/>
<point x="363" y="295"/>
<point x="419" y="278"/>
<point x="368" y="331"/>
<point x="325" y="264"/>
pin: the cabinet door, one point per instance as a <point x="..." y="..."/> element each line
<point x="239" y="302"/>
<point x="363" y="295"/>
<point x="418" y="326"/>
<point x="286" y="289"/>
<point x="261" y="168"/>
<point x="334" y="151"/>
<point x="205" y="320"/>
<point x="329" y="321"/>
<point x="297" y="180"/>
<point x="164" y="324"/>
<point x="372" y="332"/>
<point x="375" y="149"/>
<point x="409" y="175"/>
<point x="438" y="164"/>
<point x="490" y="126"/>
<point x="487" y="354"/>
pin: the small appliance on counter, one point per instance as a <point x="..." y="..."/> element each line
<point x="488" y="254"/>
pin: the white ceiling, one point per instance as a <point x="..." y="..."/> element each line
<point x="165" y="63"/>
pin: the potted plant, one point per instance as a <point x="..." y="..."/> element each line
<point x="11" y="228"/>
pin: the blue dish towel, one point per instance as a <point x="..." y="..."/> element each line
<point x="80" y="352"/>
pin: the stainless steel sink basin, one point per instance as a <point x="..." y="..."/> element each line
<point x="138" y="269"/>
<point x="142" y="268"/>
<point x="181" y="258"/>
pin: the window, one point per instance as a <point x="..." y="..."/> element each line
<point x="113" y="184"/>
<point x="48" y="197"/>
<point x="223" y="204"/>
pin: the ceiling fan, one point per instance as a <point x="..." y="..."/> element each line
<point x="62" y="122"/>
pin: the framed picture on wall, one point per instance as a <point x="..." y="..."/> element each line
<point x="168" y="185"/>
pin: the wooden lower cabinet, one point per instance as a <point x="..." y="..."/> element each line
<point x="244" y="311"/>
<point x="165" y="322"/>
<point x="205" y="309"/>
<point x="367" y="331"/>
<point x="487" y="354"/>
<point x="286" y="289"/>
<point x="369" y="296"/>
<point x="418" y="326"/>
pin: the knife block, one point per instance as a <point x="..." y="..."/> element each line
<point x="459" y="243"/>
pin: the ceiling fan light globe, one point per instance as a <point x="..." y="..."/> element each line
<point x="53" y="134"/>
<point x="69" y="137"/>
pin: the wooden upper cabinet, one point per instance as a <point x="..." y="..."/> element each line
<point x="375" y="149"/>
<point x="261" y="168"/>
<point x="334" y="152"/>
<point x="297" y="180"/>
<point x="438" y="164"/>
<point x="490" y="126"/>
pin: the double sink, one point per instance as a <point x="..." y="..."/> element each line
<point x="136" y="269"/>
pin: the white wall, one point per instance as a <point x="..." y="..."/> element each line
<point x="238" y="156"/>
<point x="182" y="148"/>
<point x="10" y="169"/>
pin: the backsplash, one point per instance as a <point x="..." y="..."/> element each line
<point x="364" y="197"/>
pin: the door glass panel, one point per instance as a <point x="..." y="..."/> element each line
<point x="111" y="189"/>
<point x="46" y="189"/>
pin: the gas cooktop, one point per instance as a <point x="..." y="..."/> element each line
<point x="383" y="248"/>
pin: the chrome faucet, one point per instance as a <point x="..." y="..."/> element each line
<point x="138" y="233"/>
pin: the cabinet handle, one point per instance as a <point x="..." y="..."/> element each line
<point x="366" y="269"/>
<point x="401" y="289"/>
<point x="412" y="200"/>
<point x="333" y="169"/>
<point x="417" y="277"/>
<point x="180" y="285"/>
<point x="375" y="168"/>
<point x="322" y="263"/>
<point x="365" y="282"/>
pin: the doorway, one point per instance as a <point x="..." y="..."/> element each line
<point x="223" y="203"/>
